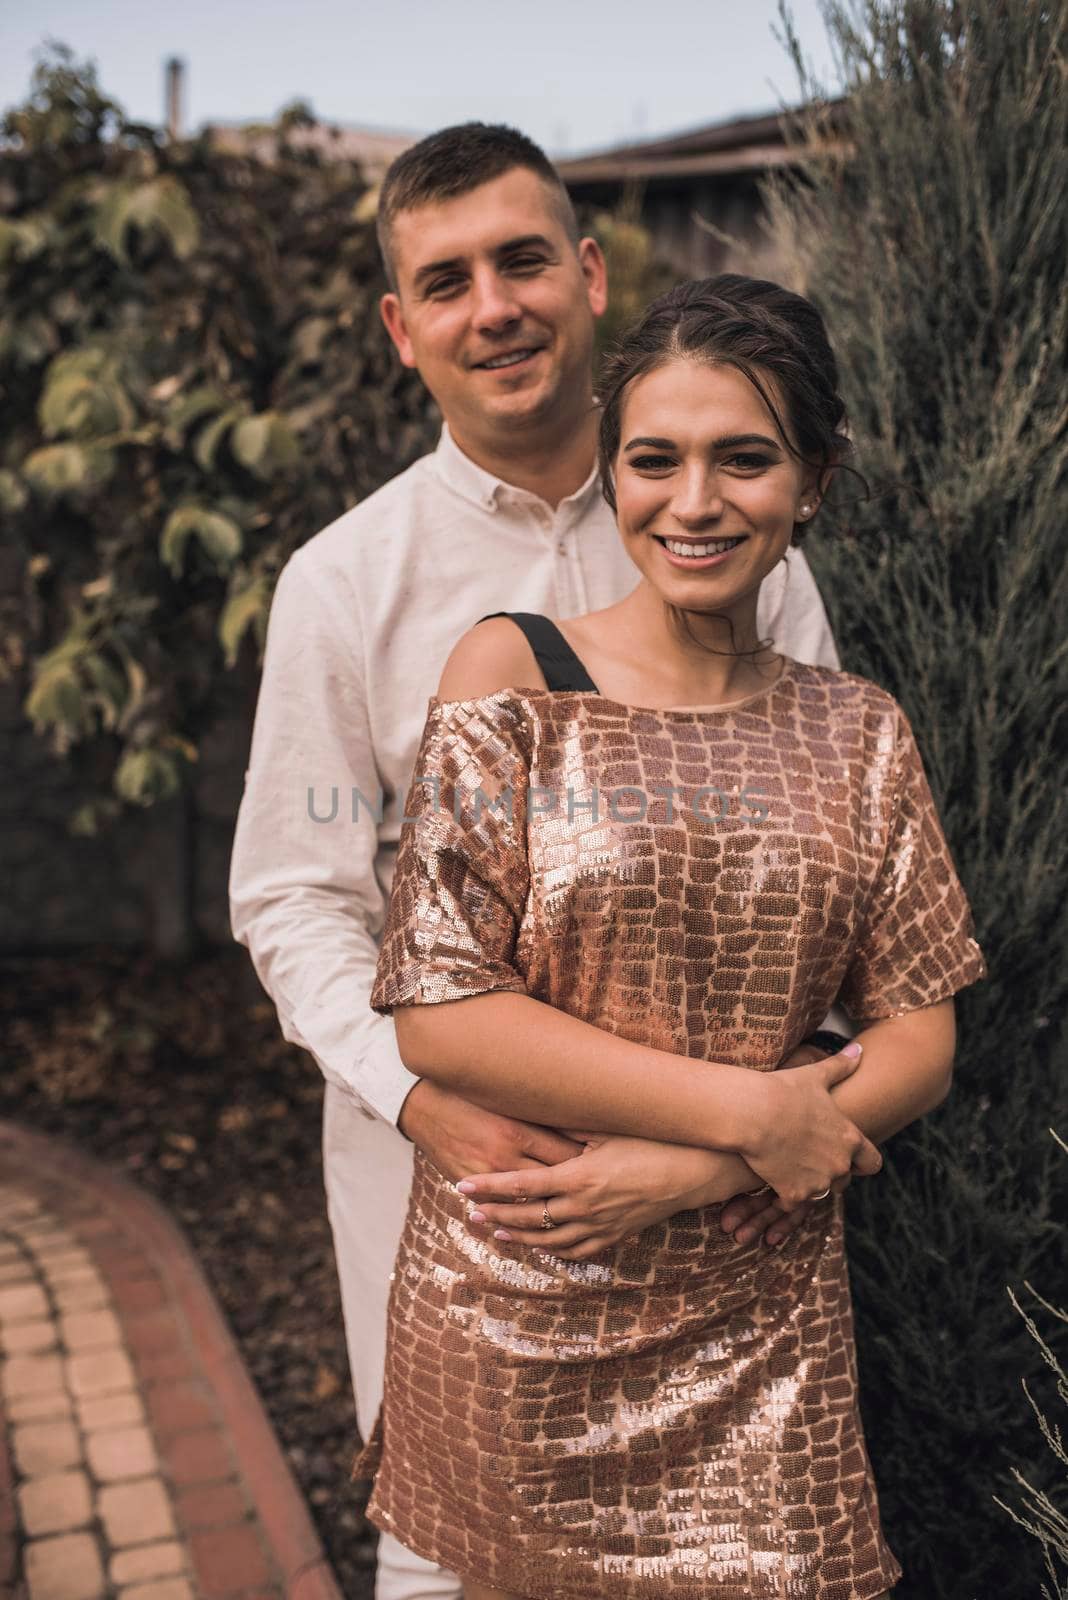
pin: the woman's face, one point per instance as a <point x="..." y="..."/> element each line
<point x="707" y="493"/>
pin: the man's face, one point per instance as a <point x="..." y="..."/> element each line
<point x="495" y="307"/>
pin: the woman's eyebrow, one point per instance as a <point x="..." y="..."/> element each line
<point x="729" y="441"/>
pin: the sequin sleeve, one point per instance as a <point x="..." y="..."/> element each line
<point x="461" y="879"/>
<point x="916" y="944"/>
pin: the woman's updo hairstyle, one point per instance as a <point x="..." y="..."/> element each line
<point x="758" y="327"/>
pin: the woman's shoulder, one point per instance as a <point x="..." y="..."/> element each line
<point x="502" y="730"/>
<point x="492" y="657"/>
<point x="491" y="691"/>
<point x="841" y="692"/>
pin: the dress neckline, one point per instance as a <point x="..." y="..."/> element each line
<point x="725" y="705"/>
<point x="786" y="672"/>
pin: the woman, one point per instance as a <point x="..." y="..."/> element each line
<point x="647" y="858"/>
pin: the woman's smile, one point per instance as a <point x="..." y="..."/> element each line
<point x="695" y="555"/>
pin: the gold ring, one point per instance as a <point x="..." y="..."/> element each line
<point x="762" y="1190"/>
<point x="822" y="1194"/>
<point x="546" y="1219"/>
<point x="520" y="1199"/>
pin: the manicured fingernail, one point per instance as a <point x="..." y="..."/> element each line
<point x="499" y="1233"/>
<point x="774" y="1239"/>
<point x="465" y="1186"/>
<point x="744" y="1235"/>
<point x="852" y="1049"/>
<point x="477" y="1216"/>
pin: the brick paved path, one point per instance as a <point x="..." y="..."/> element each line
<point x="136" y="1461"/>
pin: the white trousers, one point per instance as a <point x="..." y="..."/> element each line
<point x="367" y="1167"/>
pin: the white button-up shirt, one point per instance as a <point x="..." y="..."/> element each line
<point x="364" y="617"/>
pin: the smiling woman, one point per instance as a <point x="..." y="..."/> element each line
<point x="749" y="382"/>
<point x="573" y="1407"/>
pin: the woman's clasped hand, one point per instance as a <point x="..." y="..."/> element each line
<point x="801" y="1143"/>
<point x="615" y="1188"/>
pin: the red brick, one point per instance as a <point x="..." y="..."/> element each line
<point x="94" y="1225"/>
<point x="153" y="1284"/>
<point x="176" y="1407"/>
<point x="132" y="1295"/>
<point x="120" y="1261"/>
<point x="166" y="1366"/>
<point x="202" y="1457"/>
<point x="211" y="1506"/>
<point x="151" y="1332"/>
<point x="227" y="1559"/>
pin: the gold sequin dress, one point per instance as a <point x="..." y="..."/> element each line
<point x="678" y="1416"/>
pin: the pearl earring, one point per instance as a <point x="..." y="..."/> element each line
<point x="805" y="509"/>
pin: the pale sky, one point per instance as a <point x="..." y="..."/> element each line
<point x="574" y="74"/>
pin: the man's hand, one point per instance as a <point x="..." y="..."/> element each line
<point x="618" y="1187"/>
<point x="459" y="1137"/>
<point x="747" y="1216"/>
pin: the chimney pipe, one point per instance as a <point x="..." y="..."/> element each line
<point x="175" y="76"/>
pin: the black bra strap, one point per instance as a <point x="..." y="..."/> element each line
<point x="561" y="666"/>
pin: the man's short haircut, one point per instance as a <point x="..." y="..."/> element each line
<point x="454" y="161"/>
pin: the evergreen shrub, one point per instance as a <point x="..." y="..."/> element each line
<point x="932" y="231"/>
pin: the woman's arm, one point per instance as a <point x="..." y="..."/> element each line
<point x="905" y="1072"/>
<point x="618" y="1187"/>
<point x="520" y="1057"/>
<point x="622" y="1185"/>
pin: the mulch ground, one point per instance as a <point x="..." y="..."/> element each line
<point x="178" y="1078"/>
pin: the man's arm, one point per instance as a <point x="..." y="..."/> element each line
<point x="304" y="896"/>
<point x="790" y="610"/>
<point x="303" y="893"/>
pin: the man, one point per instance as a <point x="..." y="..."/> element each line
<point x="493" y="299"/>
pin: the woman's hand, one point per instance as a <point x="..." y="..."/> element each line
<point x="751" y="1214"/>
<point x="801" y="1143"/>
<point x="618" y="1186"/>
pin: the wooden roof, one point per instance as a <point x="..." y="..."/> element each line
<point x="742" y="144"/>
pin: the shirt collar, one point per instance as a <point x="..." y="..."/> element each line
<point x="459" y="473"/>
